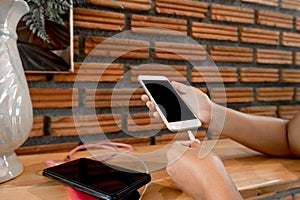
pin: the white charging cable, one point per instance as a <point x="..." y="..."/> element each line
<point x="191" y="135"/>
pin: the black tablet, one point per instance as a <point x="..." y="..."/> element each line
<point x="98" y="179"/>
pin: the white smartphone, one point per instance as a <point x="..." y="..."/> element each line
<point x="174" y="112"/>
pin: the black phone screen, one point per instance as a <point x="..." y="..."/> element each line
<point x="97" y="179"/>
<point x="168" y="100"/>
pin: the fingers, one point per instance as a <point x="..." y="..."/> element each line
<point x="156" y="115"/>
<point x="188" y="143"/>
<point x="178" y="148"/>
<point x="145" y="98"/>
<point x="184" y="143"/>
<point x="195" y="143"/>
<point x="150" y="105"/>
<point x="176" y="151"/>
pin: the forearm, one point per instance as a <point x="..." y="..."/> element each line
<point x="216" y="182"/>
<point x="220" y="186"/>
<point x="264" y="134"/>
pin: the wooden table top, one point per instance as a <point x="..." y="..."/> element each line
<point x="253" y="173"/>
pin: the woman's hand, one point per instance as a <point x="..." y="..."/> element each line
<point x="195" y="98"/>
<point x="201" y="178"/>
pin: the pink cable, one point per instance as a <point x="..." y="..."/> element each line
<point x="113" y="146"/>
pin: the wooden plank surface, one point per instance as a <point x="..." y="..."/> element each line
<point x="253" y="173"/>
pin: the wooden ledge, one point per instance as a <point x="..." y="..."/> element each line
<point x="254" y="174"/>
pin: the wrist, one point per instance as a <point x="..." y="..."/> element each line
<point x="217" y="118"/>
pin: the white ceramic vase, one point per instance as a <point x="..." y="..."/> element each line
<point x="15" y="103"/>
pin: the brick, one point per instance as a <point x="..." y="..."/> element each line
<point x="290" y="39"/>
<point x="179" y="51"/>
<point x="76" y="45"/>
<point x="141" y="5"/>
<point x="264" y="2"/>
<point x="96" y="19"/>
<point x="297" y="23"/>
<point x="275" y="19"/>
<point x="297" y="95"/>
<point x="232" y="14"/>
<point x="231" y="54"/>
<point x="286" y="195"/>
<point x="259" y="75"/>
<point x="144" y="122"/>
<point x="54" y="97"/>
<point x="288" y="112"/>
<point x="82" y="125"/>
<point x="275" y="94"/>
<point x="174" y="73"/>
<point x="185" y="8"/>
<point x="232" y="95"/>
<point x="260" y="110"/>
<point x="214" y="74"/>
<point x="290" y="75"/>
<point x="116" y="48"/>
<point x="259" y="36"/>
<point x="158" y="25"/>
<point x="297" y="58"/>
<point x="268" y="56"/>
<point x="290" y="4"/>
<point x="214" y="32"/>
<point x="32" y="77"/>
<point x="37" y="127"/>
<point x="107" y="98"/>
<point x="92" y="72"/>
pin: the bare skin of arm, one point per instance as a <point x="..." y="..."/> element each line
<point x="204" y="178"/>
<point x="269" y="135"/>
<point x="207" y="178"/>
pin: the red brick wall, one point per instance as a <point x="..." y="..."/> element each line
<point x="254" y="43"/>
